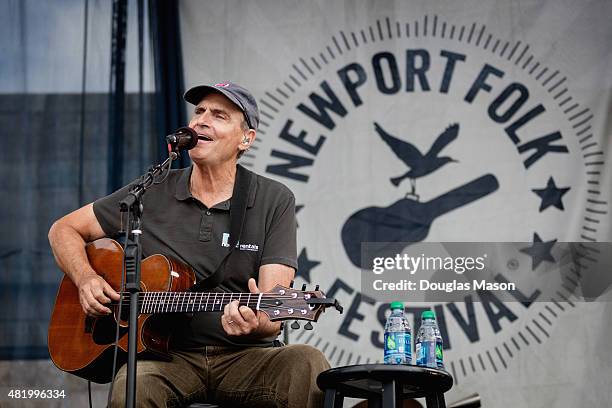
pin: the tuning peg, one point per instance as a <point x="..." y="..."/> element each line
<point x="316" y="288"/>
<point x="308" y="326"/>
<point x="295" y="325"/>
<point x="291" y="284"/>
<point x="303" y="287"/>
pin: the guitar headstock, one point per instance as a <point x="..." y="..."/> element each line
<point x="282" y="303"/>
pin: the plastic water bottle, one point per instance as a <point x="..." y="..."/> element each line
<point x="397" y="336"/>
<point x="428" y="347"/>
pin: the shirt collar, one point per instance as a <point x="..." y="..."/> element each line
<point x="183" y="192"/>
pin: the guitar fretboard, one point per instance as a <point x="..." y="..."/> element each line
<point x="185" y="302"/>
<point x="277" y="305"/>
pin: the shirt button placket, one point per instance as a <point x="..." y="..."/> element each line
<point x="206" y="226"/>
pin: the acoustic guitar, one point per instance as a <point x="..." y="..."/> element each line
<point x="84" y="345"/>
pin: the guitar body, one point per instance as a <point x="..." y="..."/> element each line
<point x="84" y="345"/>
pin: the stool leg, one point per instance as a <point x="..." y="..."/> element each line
<point x="435" y="401"/>
<point x="333" y="399"/>
<point x="389" y="396"/>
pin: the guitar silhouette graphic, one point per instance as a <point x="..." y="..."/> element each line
<point x="420" y="164"/>
<point x="407" y="220"/>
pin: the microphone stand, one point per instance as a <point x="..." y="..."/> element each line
<point x="132" y="204"/>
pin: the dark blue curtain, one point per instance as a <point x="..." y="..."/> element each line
<point x="166" y="38"/>
<point x="55" y="138"/>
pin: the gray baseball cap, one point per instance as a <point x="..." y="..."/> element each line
<point x="235" y="93"/>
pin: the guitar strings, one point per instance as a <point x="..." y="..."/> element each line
<point x="166" y="300"/>
<point x="167" y="304"/>
<point x="158" y="306"/>
<point x="223" y="294"/>
<point x="198" y="302"/>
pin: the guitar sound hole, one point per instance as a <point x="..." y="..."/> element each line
<point x="124" y="316"/>
<point x="104" y="330"/>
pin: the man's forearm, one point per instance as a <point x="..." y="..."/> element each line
<point x="271" y="275"/>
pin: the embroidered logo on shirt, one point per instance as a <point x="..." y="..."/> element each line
<point x="241" y="247"/>
<point x="249" y="247"/>
<point x="225" y="240"/>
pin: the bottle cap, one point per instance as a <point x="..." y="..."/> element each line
<point x="428" y="314"/>
<point x="397" y="305"/>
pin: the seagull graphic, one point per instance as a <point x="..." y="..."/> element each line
<point x="420" y="165"/>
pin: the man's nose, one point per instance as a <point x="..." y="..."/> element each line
<point x="201" y="119"/>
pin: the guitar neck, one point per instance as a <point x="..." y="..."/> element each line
<point x="185" y="302"/>
<point x="463" y="195"/>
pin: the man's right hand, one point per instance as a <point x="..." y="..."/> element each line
<point x="94" y="293"/>
<point x="67" y="237"/>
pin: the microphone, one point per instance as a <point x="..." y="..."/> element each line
<point x="184" y="138"/>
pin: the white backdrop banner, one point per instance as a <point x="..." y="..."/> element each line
<point x="420" y="121"/>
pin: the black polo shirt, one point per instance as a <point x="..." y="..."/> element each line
<point x="175" y="223"/>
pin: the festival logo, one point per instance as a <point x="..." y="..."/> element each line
<point x="429" y="131"/>
<point x="408" y="220"/>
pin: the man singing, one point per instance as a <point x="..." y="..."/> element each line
<point x="224" y="356"/>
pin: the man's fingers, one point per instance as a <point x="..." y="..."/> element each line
<point x="228" y="322"/>
<point x="231" y="327"/>
<point x="94" y="309"/>
<point x="103" y="310"/>
<point x="248" y="314"/>
<point x="102" y="298"/>
<point x="92" y="296"/>
<point x="239" y="320"/>
<point x="230" y="311"/>
<point x="88" y="310"/>
<point x="110" y="292"/>
<point x="253" y="286"/>
<point x="234" y="315"/>
<point x="96" y="305"/>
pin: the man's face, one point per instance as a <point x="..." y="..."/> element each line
<point x="218" y="124"/>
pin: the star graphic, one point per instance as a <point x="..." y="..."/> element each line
<point x="305" y="265"/>
<point x="539" y="251"/>
<point x="297" y="210"/>
<point x="551" y="195"/>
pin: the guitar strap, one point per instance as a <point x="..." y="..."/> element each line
<point x="238" y="204"/>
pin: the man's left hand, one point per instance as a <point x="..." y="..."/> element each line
<point x="240" y="320"/>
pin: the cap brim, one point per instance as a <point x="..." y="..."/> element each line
<point x="194" y="95"/>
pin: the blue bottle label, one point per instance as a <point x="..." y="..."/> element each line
<point x="426" y="354"/>
<point x="397" y="348"/>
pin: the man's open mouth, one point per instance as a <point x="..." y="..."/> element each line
<point x="205" y="138"/>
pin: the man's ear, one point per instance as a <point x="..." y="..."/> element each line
<point x="247" y="139"/>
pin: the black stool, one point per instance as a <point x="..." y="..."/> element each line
<point x="384" y="385"/>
